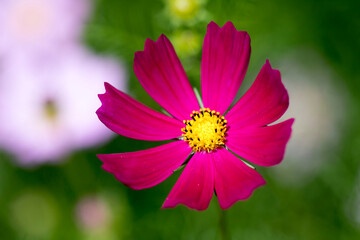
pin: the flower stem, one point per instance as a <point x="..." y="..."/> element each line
<point x="224" y="234"/>
<point x="197" y="94"/>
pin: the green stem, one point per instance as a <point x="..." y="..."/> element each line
<point x="197" y="94"/>
<point x="224" y="234"/>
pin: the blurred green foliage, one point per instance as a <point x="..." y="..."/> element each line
<point x="315" y="210"/>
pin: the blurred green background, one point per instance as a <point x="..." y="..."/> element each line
<point x="313" y="194"/>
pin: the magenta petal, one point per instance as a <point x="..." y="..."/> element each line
<point x="234" y="180"/>
<point x="264" y="146"/>
<point x="195" y="186"/>
<point x="161" y="74"/>
<point x="265" y="102"/>
<point x="129" y="118"/>
<point x="225" y="59"/>
<point x="147" y="168"/>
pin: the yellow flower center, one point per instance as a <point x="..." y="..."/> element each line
<point x="206" y="130"/>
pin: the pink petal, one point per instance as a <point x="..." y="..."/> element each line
<point x="161" y="74"/>
<point x="129" y="118"/>
<point x="264" y="146"/>
<point x="225" y="59"/>
<point x="147" y="168"/>
<point x="265" y="102"/>
<point x="234" y="180"/>
<point x="195" y="186"/>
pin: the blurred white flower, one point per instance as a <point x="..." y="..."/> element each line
<point x="40" y="25"/>
<point x="319" y="110"/>
<point x="47" y="107"/>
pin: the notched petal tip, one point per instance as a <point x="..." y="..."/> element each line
<point x="264" y="146"/>
<point x="289" y="124"/>
<point x="104" y="158"/>
<point x="106" y="165"/>
<point x="197" y="208"/>
<point x="230" y="25"/>
<point x="291" y="121"/>
<point x="160" y="72"/>
<point x="148" y="47"/>
<point x="171" y="204"/>
<point x="109" y="89"/>
<point x="137" y="55"/>
<point x="128" y="117"/>
<point x="107" y="85"/>
<point x="272" y="71"/>
<point x="234" y="180"/>
<point x="268" y="67"/>
<point x="146" y="168"/>
<point x="162" y="37"/>
<point x="99" y="113"/>
<point x="167" y="204"/>
<point x="225" y="59"/>
<point x="267" y="62"/>
<point x="225" y="206"/>
<point x="195" y="186"/>
<point x="268" y="94"/>
<point x="213" y="25"/>
<point x="101" y="96"/>
<point x="149" y="43"/>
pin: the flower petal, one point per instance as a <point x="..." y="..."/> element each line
<point x="265" y="101"/>
<point x="147" y="168"/>
<point x="161" y="74"/>
<point x="234" y="180"/>
<point x="126" y="116"/>
<point x="225" y="59"/>
<point x="264" y="146"/>
<point x="195" y="186"/>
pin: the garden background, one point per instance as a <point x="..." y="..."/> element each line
<point x="313" y="194"/>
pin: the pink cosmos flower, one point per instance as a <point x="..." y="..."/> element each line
<point x="206" y="135"/>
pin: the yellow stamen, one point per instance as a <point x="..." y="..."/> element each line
<point x="205" y="131"/>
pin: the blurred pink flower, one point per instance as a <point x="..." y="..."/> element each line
<point x="40" y="25"/>
<point x="92" y="213"/>
<point x="206" y="134"/>
<point x="47" y="107"/>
